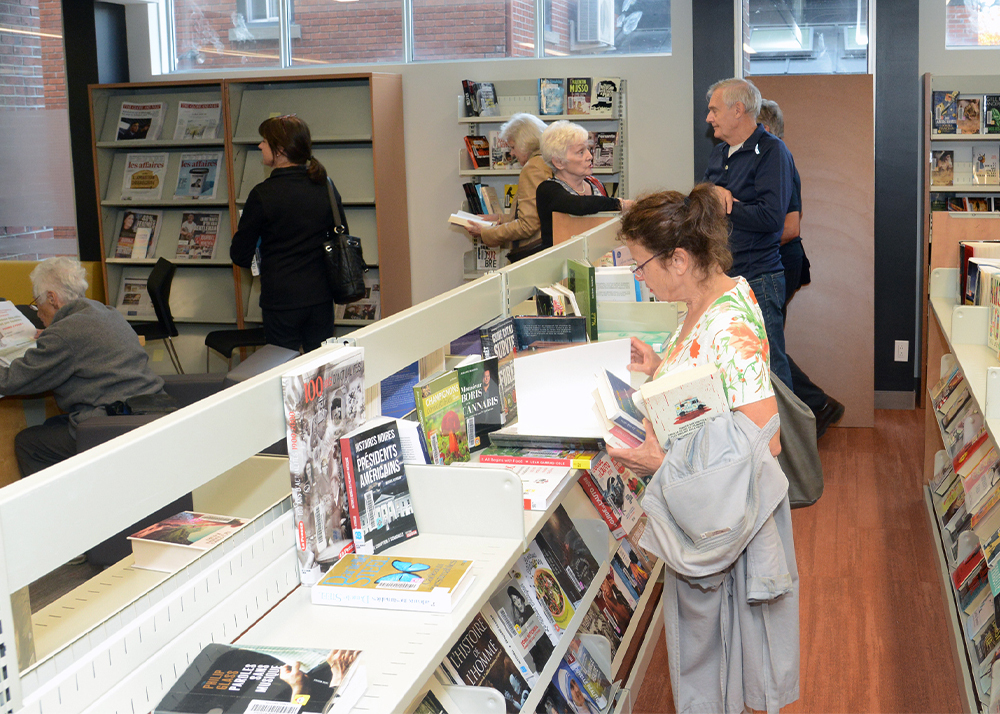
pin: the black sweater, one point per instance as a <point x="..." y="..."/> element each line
<point x="290" y="216"/>
<point x="551" y="196"/>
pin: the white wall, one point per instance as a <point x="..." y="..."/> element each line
<point x="659" y="128"/>
<point x="934" y="58"/>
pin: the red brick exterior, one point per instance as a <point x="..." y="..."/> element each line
<point x="968" y="27"/>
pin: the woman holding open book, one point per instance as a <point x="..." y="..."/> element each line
<point x="732" y="629"/>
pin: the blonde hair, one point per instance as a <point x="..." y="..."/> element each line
<point x="557" y="139"/>
<point x="523" y="132"/>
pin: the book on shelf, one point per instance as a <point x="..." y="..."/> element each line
<point x="594" y="623"/>
<point x="502" y="153"/>
<point x="604" y="90"/>
<point x="473" y="199"/>
<point x="613" y="603"/>
<point x="551" y="96"/>
<point x="993" y="303"/>
<point x="509" y="195"/>
<point x="647" y="559"/>
<point x="470" y="98"/>
<point x="630" y="569"/>
<point x="392" y="582"/>
<point x="479" y="386"/>
<point x="198" y="236"/>
<point x="595" y="682"/>
<point x="601" y="506"/>
<point x="578" y="95"/>
<point x="512" y="436"/>
<point x="138" y="234"/>
<point x="498" y="338"/>
<point x="969" y="114"/>
<point x="964" y="166"/>
<point x="368" y="307"/>
<point x="974" y="249"/>
<point x="143" y="176"/>
<point x="573" y="690"/>
<point x="945" y="108"/>
<point x="17" y="334"/>
<point x="677" y="404"/>
<point x="140" y="121"/>
<point x="252" y="679"/>
<point x="323" y="398"/>
<point x="567" y="554"/>
<point x="537" y="457"/>
<point x="539" y="332"/>
<point x="942" y="167"/>
<point x="464" y="219"/>
<point x="510" y="614"/>
<point x="490" y="194"/>
<point x="197" y="176"/>
<point x="134" y="301"/>
<point x="551" y="301"/>
<point x="553" y="702"/>
<point x="620" y="489"/>
<point x="479" y="151"/>
<point x="986" y="168"/>
<point x="976" y="623"/>
<point x="615" y="400"/>
<point x="377" y="493"/>
<point x="581" y="280"/>
<point x="486" y="96"/>
<point x="604" y="145"/>
<point x="197" y="120"/>
<point x="479" y="660"/>
<point x="617" y="284"/>
<point x="439" y="408"/>
<point x="972" y="270"/>
<point x="174" y="542"/>
<point x="537" y="581"/>
<point x="991" y="114"/>
<point x="396" y="391"/>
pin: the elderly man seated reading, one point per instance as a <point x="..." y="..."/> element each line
<point x="87" y="354"/>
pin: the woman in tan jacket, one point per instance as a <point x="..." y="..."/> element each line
<point x="519" y="230"/>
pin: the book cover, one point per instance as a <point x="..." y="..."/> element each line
<point x="241" y="679"/>
<point x="605" y="89"/>
<point x="969" y="115"/>
<point x="551" y="93"/>
<point x="567" y="554"/>
<point x="605" y="143"/>
<point x="140" y="121"/>
<point x="323" y="399"/>
<point x="143" y="177"/>
<point x="479" y="660"/>
<point x="945" y="108"/>
<point x="479" y="385"/>
<point x="471" y="100"/>
<point x="486" y="94"/>
<point x="535" y="332"/>
<point x="175" y="542"/>
<point x="498" y="338"/>
<point x="197" y="120"/>
<point x="377" y="494"/>
<point x="601" y="506"/>
<point x="583" y="282"/>
<point x="578" y="95"/>
<point x="509" y="195"/>
<point x="572" y="690"/>
<point x="620" y="488"/>
<point x="991" y="114"/>
<point x="993" y="302"/>
<point x="646" y="559"/>
<point x="439" y="408"/>
<point x="594" y="623"/>
<point x="613" y="604"/>
<point x="397" y="391"/>
<point x="519" y="628"/>
<point x="679" y="403"/>
<point x="537" y="581"/>
<point x="138" y="234"/>
<point x="537" y="457"/>
<point x="394" y="583"/>
<point x="552" y="702"/>
<point x="429" y="704"/>
<point x="585" y="667"/>
<point x="986" y="168"/>
<point x="502" y="153"/>
<point x="134" y="301"/>
<point x="198" y="236"/>
<point x="630" y="569"/>
<point x="197" y="176"/>
<point x="942" y="167"/>
<point x="617" y="405"/>
<point x="479" y="151"/>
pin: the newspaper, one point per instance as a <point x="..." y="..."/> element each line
<point x="198" y="236"/>
<point x="197" y="120"/>
<point x="144" y="176"/>
<point x="140" y="121"/>
<point x="17" y="334"/>
<point x="133" y="300"/>
<point x="197" y="176"/>
<point x="138" y="234"/>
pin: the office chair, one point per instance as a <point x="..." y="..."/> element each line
<point x="225" y="341"/>
<point x="158" y="287"/>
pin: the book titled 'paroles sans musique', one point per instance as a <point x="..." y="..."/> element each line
<point x="395" y="583"/>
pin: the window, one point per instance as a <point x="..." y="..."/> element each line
<point x="972" y="23"/>
<point x="618" y="27"/>
<point x="262" y="10"/>
<point x="805" y="36"/>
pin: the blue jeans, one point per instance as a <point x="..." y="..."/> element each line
<point x="769" y="289"/>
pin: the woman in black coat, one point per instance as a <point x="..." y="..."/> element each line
<point x="287" y="218"/>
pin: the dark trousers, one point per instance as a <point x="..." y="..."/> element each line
<point x="39" y="447"/>
<point x="769" y="289"/>
<point x="793" y="259"/>
<point x="305" y="327"/>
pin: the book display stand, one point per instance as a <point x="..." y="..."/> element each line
<point x="356" y="126"/>
<point x="117" y="643"/>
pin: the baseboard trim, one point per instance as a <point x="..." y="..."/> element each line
<point x="895" y="400"/>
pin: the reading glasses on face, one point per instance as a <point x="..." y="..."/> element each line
<point x="637" y="269"/>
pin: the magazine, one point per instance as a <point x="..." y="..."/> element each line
<point x="367" y="308"/>
<point x="143" y="177"/>
<point x="134" y="301"/>
<point x="138" y="234"/>
<point x="197" y="176"/>
<point x="140" y="121"/>
<point x="198" y="235"/>
<point x="197" y="120"/>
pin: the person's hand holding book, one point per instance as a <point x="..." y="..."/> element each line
<point x="645" y="459"/>
<point x="644" y="358"/>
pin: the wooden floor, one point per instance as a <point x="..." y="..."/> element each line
<point x="873" y="631"/>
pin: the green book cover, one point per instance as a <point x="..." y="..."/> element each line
<point x="481" y="400"/>
<point x="583" y="283"/>
<point x="439" y="408"/>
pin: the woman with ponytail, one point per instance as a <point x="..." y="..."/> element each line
<point x="285" y="220"/>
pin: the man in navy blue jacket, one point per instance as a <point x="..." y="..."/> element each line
<point x="752" y="171"/>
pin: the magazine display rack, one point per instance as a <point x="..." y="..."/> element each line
<point x="120" y="641"/>
<point x="356" y="124"/>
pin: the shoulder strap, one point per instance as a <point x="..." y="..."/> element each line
<point x="338" y="222"/>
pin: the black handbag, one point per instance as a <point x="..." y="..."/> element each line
<point x="345" y="263"/>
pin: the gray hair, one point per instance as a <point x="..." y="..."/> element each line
<point x="738" y="90"/>
<point x="770" y="116"/>
<point x="558" y="137"/>
<point x="523" y="132"/>
<point x="63" y="276"/>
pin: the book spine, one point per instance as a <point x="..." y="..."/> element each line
<point x="526" y="460"/>
<point x="346" y="456"/>
<point x="602" y="508"/>
<point x="380" y="599"/>
<point x="592" y="290"/>
<point x="631" y="428"/>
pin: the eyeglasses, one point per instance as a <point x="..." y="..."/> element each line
<point x="637" y="269"/>
<point x="36" y="302"/>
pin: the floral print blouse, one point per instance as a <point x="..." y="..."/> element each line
<point x="731" y="335"/>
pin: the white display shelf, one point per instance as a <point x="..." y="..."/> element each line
<point x="160" y="143"/>
<point x="462" y="119"/>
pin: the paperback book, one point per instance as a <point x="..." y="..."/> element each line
<point x="594" y="623"/>
<point x="143" y="177"/>
<point x="945" y="108"/>
<point x="498" y="338"/>
<point x="613" y="603"/>
<point x="140" y="121"/>
<point x="582" y="281"/>
<point x="573" y="690"/>
<point x="537" y="581"/>
<point x="969" y="115"/>
<point x="197" y="120"/>
<point x="502" y="153"/>
<point x="394" y="583"/>
<point x="991" y="114"/>
<point x="538" y="457"/>
<point x="567" y="554"/>
<point x="605" y="89"/>
<point x="551" y="96"/>
<point x="479" y="385"/>
<point x="250" y="679"/>
<point x="677" y="404"/>
<point x="942" y="167"/>
<point x="578" y="95"/>
<point x="987" y="169"/>
<point x="198" y="236"/>
<point x="629" y="568"/>
<point x="617" y="405"/>
<point x="377" y="493"/>
<point x="197" y="176"/>
<point x="439" y="408"/>
<point x="174" y="542"/>
<point x="605" y="143"/>
<point x="479" y="660"/>
<point x="595" y="683"/>
<point x="479" y="151"/>
<point x="486" y="95"/>
<point x="324" y="399"/>
<point x="138" y="234"/>
<point x="519" y="628"/>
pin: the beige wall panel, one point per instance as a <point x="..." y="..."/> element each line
<point x="829" y="127"/>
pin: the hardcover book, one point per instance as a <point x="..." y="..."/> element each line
<point x="969" y="115"/>
<point x="197" y="177"/>
<point x="439" y="408"/>
<point x="678" y="404"/>
<point x="603" y="96"/>
<point x="394" y="583"/>
<point x="324" y="399"/>
<point x="143" y="176"/>
<point x="578" y="93"/>
<point x="198" y="236"/>
<point x="479" y="660"/>
<point x="945" y="108"/>
<point x="138" y="234"/>
<point x="247" y="679"/>
<point x="479" y="385"/>
<point x="377" y="494"/>
<point x="174" y="542"/>
<point x="991" y="114"/>
<point x="551" y="93"/>
<point x="479" y="151"/>
<point x="567" y="554"/>
<point x="498" y="338"/>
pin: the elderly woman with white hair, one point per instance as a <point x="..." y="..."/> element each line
<point x="87" y="354"/>
<point x="572" y="189"/>
<point x="519" y="229"/>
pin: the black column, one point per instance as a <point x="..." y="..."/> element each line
<point x="712" y="59"/>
